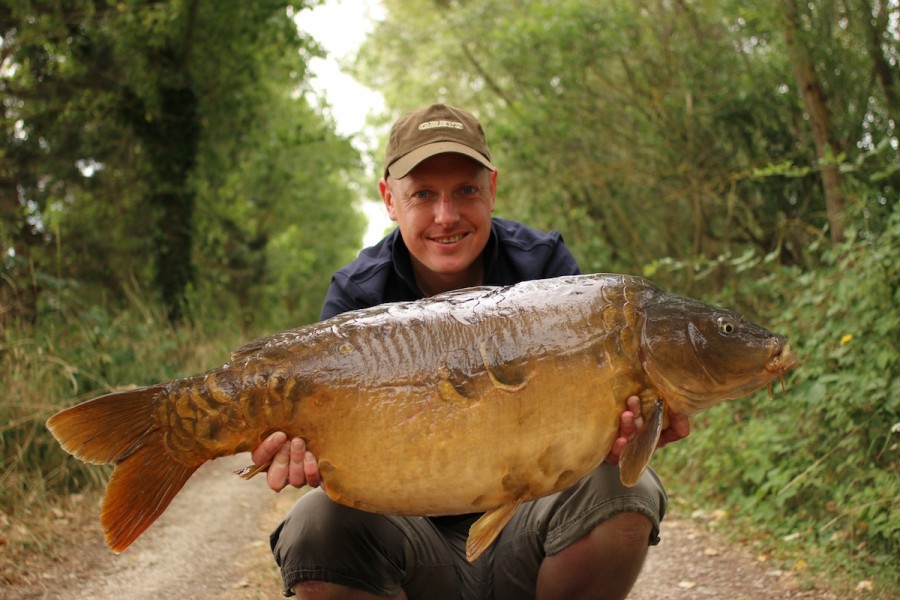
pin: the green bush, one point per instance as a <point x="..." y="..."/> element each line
<point x="818" y="463"/>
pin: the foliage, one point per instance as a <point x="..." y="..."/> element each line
<point x="638" y="128"/>
<point x="78" y="353"/>
<point x="156" y="159"/>
<point x="169" y="143"/>
<point x="818" y="464"/>
<point x="675" y="140"/>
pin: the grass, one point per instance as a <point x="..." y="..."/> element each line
<point x="74" y="356"/>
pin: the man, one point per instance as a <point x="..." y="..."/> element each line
<point x="589" y="541"/>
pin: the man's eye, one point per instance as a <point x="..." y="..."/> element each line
<point x="422" y="195"/>
<point x="469" y="190"/>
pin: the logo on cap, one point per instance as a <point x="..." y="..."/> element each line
<point x="435" y="124"/>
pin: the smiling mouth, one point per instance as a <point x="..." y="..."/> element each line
<point x="449" y="240"/>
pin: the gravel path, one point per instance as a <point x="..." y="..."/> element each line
<point x="201" y="547"/>
<point x="691" y="563"/>
<point x="212" y="543"/>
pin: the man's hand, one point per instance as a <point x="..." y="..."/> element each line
<point x="631" y="421"/>
<point x="291" y="464"/>
<point x="678" y="429"/>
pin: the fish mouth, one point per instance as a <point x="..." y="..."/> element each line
<point x="780" y="362"/>
<point x="783" y="359"/>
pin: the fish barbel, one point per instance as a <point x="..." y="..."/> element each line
<point x="516" y="390"/>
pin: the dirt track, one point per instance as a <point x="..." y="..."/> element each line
<point x="212" y="543"/>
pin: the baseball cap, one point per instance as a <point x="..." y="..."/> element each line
<point x="435" y="129"/>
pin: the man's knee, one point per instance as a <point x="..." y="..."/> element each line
<point x="313" y="518"/>
<point x="321" y="540"/>
<point x="600" y="500"/>
<point x="605" y="563"/>
<point x="629" y="529"/>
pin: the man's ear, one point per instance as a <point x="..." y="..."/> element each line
<point x="493" y="188"/>
<point x="388" y="198"/>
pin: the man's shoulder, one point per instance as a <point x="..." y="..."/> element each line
<point x="524" y="253"/>
<point x="369" y="262"/>
<point x="522" y="237"/>
<point x="370" y="268"/>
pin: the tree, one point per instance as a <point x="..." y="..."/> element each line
<point x="827" y="148"/>
<point x="648" y="129"/>
<point x="127" y="127"/>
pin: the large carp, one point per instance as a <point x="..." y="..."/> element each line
<point x="517" y="391"/>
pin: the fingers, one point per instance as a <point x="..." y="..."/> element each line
<point x="277" y="475"/>
<point x="303" y="468"/>
<point x="634" y="406"/>
<point x="291" y="463"/>
<point x="680" y="424"/>
<point x="267" y="449"/>
<point x="296" y="475"/>
<point x="613" y="456"/>
<point x="678" y="429"/>
<point x="311" y="469"/>
<point x="630" y="421"/>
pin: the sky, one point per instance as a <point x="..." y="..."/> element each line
<point x="340" y="26"/>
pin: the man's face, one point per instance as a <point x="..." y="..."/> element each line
<point x="443" y="208"/>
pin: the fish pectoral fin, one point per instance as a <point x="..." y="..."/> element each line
<point x="485" y="530"/>
<point x="636" y="454"/>
<point x="252" y="470"/>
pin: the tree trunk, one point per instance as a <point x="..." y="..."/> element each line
<point x="816" y="107"/>
<point x="173" y="151"/>
<point x="877" y="22"/>
<point x="171" y="139"/>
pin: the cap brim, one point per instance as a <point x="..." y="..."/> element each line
<point x="401" y="167"/>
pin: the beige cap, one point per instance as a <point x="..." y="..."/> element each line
<point x="432" y="130"/>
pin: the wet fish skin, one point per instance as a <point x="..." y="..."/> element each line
<point x="516" y="392"/>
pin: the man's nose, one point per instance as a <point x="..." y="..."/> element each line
<point x="445" y="211"/>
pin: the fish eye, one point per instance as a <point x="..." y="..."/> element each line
<point x="725" y="326"/>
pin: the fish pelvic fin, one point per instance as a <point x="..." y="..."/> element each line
<point x="636" y="454"/>
<point x="119" y="429"/>
<point x="485" y="530"/>
<point x="251" y="471"/>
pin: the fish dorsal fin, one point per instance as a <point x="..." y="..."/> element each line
<point x="485" y="530"/>
<point x="637" y="452"/>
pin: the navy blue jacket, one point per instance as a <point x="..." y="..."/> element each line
<point x="383" y="272"/>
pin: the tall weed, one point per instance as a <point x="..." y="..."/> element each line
<point x="76" y="353"/>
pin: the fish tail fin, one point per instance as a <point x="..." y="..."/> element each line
<point x="119" y="429"/>
<point x="107" y="429"/>
<point x="139" y="490"/>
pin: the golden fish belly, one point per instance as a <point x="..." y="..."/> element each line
<point x="414" y="450"/>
